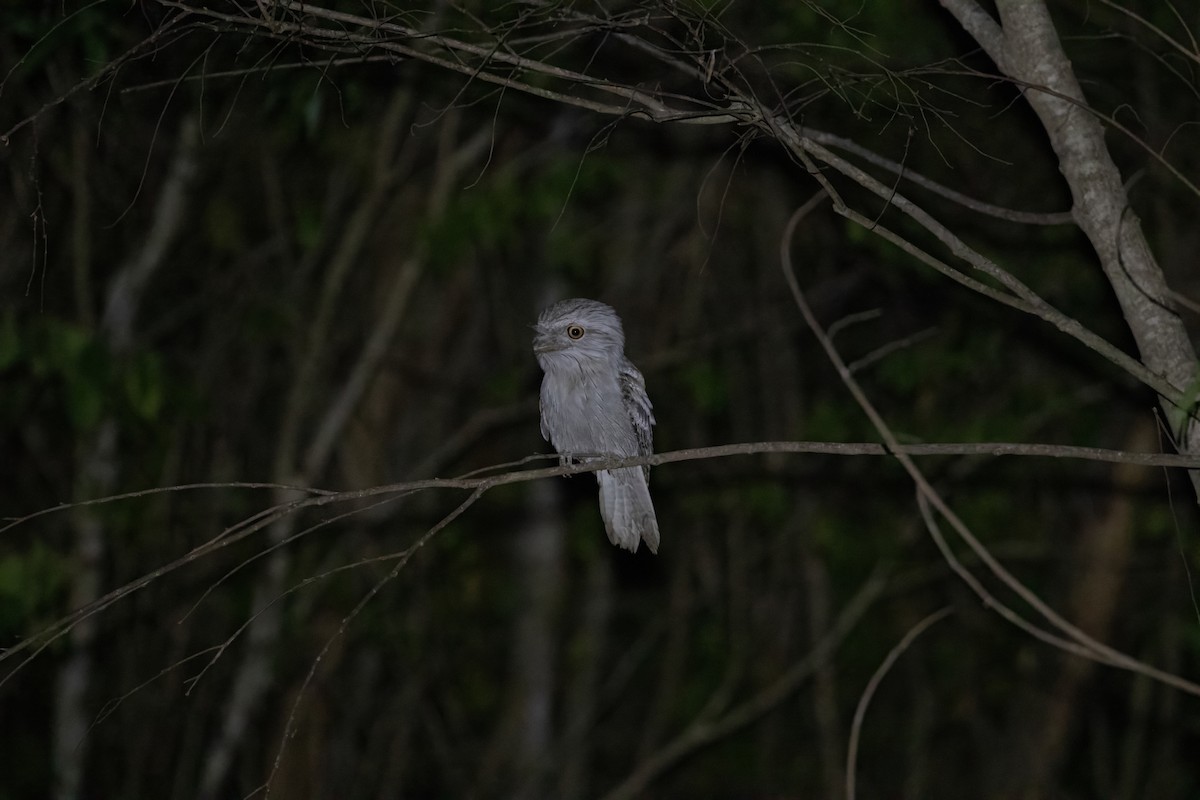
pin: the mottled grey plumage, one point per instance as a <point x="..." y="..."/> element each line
<point x="594" y="403"/>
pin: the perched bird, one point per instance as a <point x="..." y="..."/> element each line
<point x="593" y="405"/>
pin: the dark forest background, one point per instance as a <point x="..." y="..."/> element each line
<point x="255" y="259"/>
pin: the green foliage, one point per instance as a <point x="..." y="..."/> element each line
<point x="89" y="34"/>
<point x="484" y="217"/>
<point x="498" y="212"/>
<point x="308" y="223"/>
<point x="769" y="503"/>
<point x="145" y="386"/>
<point x="224" y="224"/>
<point x="832" y="419"/>
<point x="30" y="582"/>
<point x="298" y="102"/>
<point x="707" y="391"/>
<point x="10" y="344"/>
<point x="65" y="369"/>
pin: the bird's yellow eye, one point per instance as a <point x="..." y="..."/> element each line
<point x="575" y="331"/>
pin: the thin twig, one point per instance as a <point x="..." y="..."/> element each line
<point x="402" y="560"/>
<point x="1097" y="651"/>
<point x="467" y="481"/>
<point x="876" y="678"/>
<point x="703" y="732"/>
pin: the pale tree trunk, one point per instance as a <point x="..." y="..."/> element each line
<point x="255" y="673"/>
<point x="100" y="464"/>
<point x="540" y="569"/>
<point x="828" y="746"/>
<point x="1026" y="47"/>
<point x="300" y="464"/>
<point x="581" y="707"/>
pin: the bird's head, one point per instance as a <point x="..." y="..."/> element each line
<point x="577" y="331"/>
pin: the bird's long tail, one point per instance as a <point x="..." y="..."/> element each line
<point x="627" y="509"/>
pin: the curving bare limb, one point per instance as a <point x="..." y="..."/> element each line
<point x="725" y="95"/>
<point x="1078" y="641"/>
<point x="1018" y="296"/>
<point x="1026" y="47"/>
<point x="502" y="475"/>
<point x="102" y="462"/>
<point x="860" y="710"/>
<point x="1190" y="51"/>
<point x="705" y="730"/>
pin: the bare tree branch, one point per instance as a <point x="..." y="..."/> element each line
<point x="896" y="168"/>
<point x="1029" y="51"/>
<point x="1190" y="53"/>
<point x="101" y="463"/>
<point x="702" y="732"/>
<point x="971" y="449"/>
<point x="860" y="710"/>
<point x="1021" y="297"/>
<point x="1094" y="649"/>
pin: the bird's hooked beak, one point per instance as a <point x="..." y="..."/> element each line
<point x="543" y="343"/>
